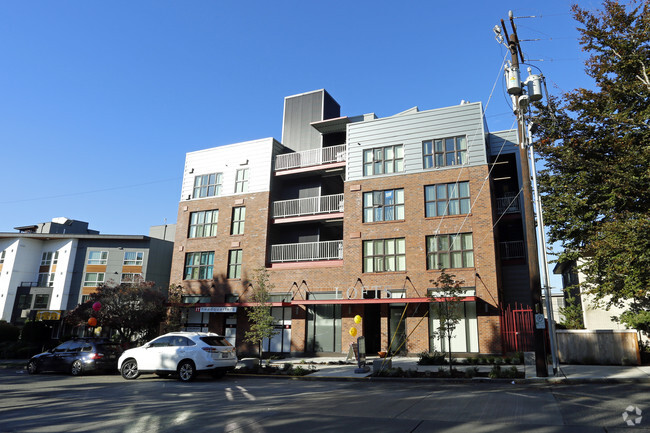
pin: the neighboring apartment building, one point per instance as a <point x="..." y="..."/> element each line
<point x="48" y="268"/>
<point x="355" y="216"/>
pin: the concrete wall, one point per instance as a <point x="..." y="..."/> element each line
<point x="598" y="347"/>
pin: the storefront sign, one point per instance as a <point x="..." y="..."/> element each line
<point x="216" y="309"/>
<point x="48" y="315"/>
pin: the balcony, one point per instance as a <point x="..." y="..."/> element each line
<point x="508" y="203"/>
<point x="513" y="250"/>
<point x="327" y="204"/>
<point x="311" y="158"/>
<point x="307" y="252"/>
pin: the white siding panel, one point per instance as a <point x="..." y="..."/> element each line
<point x="414" y="128"/>
<point x="255" y="155"/>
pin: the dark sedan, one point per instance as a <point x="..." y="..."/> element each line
<point x="78" y="357"/>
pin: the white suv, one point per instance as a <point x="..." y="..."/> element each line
<point x="185" y="353"/>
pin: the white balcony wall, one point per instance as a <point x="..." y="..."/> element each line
<point x="308" y="206"/>
<point x="310" y="158"/>
<point x="307" y="251"/>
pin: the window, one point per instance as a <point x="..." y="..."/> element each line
<point x="130" y="278"/>
<point x="2" y="256"/>
<point x="238" y="217"/>
<point x="97" y="257"/>
<point x="207" y="185"/>
<point x="234" y="264"/>
<point x="444" y="152"/>
<point x="198" y="266"/>
<point x="85" y="298"/>
<point x="241" y="180"/>
<point x="41" y="301"/>
<point x="385" y="205"/>
<point x="203" y="224"/>
<point x="450" y="251"/>
<point x="93" y="279"/>
<point x="383" y="160"/>
<point x="133" y="258"/>
<point x="446" y="199"/>
<point x="24" y="302"/>
<point x="49" y="258"/>
<point x="384" y="255"/>
<point x="45" y="279"/>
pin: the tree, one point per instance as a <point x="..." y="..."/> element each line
<point x="446" y="307"/>
<point x="259" y="315"/>
<point x="595" y="145"/>
<point x="572" y="317"/>
<point x="134" y="311"/>
<point x="174" y="318"/>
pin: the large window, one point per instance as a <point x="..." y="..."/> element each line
<point x="41" y="301"/>
<point x="97" y="257"/>
<point x="133" y="258"/>
<point x="445" y="152"/>
<point x="238" y="219"/>
<point x="46" y="279"/>
<point x="450" y="251"/>
<point x="203" y="224"/>
<point x="241" y="180"/>
<point x="383" y="160"/>
<point x="384" y="255"/>
<point x="2" y="256"/>
<point x="207" y="185"/>
<point x="49" y="258"/>
<point x="385" y="205"/>
<point x="446" y="199"/>
<point x="24" y="302"/>
<point x="198" y="266"/>
<point x="93" y="279"/>
<point x="234" y="264"/>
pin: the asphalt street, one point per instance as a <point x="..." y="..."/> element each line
<point x="108" y="403"/>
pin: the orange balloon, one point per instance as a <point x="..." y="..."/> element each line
<point x="92" y="322"/>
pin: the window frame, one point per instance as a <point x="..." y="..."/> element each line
<point x="435" y="152"/>
<point x="45" y="279"/>
<point x="449" y="252"/>
<point x="241" y="184"/>
<point x="203" y="268"/>
<point x="96" y="282"/>
<point x="380" y="255"/>
<point x="206" y="186"/>
<point x="200" y="224"/>
<point x="238" y="220"/>
<point x="44" y="300"/>
<point x="371" y="209"/>
<point x="134" y="278"/>
<point x="448" y="200"/>
<point x="376" y="160"/>
<point x="102" y="260"/>
<point x="139" y="258"/>
<point x="3" y="254"/>
<point x="234" y="266"/>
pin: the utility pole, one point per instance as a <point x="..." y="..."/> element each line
<point x="520" y="103"/>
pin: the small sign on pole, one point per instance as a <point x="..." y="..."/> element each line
<point x="540" y="322"/>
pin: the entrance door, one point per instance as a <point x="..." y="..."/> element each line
<point x="372" y="327"/>
<point x="397" y="330"/>
<point x="230" y="329"/>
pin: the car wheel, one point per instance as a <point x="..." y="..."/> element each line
<point x="130" y="370"/>
<point x="32" y="367"/>
<point x="218" y="374"/>
<point x="186" y="370"/>
<point x="77" y="368"/>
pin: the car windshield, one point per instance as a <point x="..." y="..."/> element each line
<point x="216" y="341"/>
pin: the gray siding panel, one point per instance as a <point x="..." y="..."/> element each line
<point x="299" y="111"/>
<point x="412" y="129"/>
<point x="503" y="142"/>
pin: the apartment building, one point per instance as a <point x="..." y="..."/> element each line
<point x="49" y="268"/>
<point x="355" y="215"/>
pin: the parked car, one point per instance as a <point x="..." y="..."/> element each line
<point x="78" y="356"/>
<point x="182" y="353"/>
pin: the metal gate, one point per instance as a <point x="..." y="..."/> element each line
<point x="517" y="329"/>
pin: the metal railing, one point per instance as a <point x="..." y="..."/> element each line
<point x="308" y="206"/>
<point x="307" y="251"/>
<point x="513" y="250"/>
<point x="311" y="157"/>
<point x="508" y="203"/>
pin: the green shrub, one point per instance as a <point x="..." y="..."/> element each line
<point x="8" y="332"/>
<point x="471" y="372"/>
<point x="495" y="372"/>
<point x="35" y="332"/>
<point x="435" y="358"/>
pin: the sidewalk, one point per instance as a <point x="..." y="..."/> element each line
<point x="335" y="367"/>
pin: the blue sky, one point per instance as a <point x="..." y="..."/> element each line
<point x="100" y="101"/>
